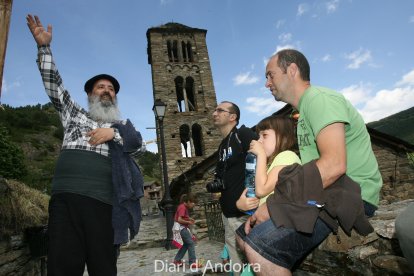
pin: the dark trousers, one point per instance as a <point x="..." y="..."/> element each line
<point x="80" y="232"/>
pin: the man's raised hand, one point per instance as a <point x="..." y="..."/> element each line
<point x="41" y="36"/>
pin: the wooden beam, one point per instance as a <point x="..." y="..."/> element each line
<point x="5" y="15"/>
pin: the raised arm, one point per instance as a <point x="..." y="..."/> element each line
<point x="40" y="35"/>
<point x="52" y="80"/>
<point x="263" y="187"/>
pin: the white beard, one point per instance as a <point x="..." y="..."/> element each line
<point x="103" y="110"/>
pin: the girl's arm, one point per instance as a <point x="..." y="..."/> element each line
<point x="247" y="203"/>
<point x="269" y="185"/>
<point x="185" y="220"/>
<point x="263" y="188"/>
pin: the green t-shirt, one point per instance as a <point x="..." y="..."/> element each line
<point x="320" y="107"/>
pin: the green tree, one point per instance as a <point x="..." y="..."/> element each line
<point x="149" y="163"/>
<point x="11" y="157"/>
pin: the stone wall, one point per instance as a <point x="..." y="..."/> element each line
<point x="22" y="212"/>
<point x="397" y="173"/>
<point x="15" y="258"/>
<point x="376" y="254"/>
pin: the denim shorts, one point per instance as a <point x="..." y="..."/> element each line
<point x="369" y="209"/>
<point x="283" y="246"/>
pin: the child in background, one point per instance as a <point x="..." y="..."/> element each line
<point x="182" y="216"/>
<point x="274" y="151"/>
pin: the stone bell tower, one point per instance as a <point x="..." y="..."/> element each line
<point x="181" y="77"/>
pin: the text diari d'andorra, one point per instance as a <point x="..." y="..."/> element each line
<point x="166" y="266"/>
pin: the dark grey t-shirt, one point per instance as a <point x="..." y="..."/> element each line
<point x="84" y="172"/>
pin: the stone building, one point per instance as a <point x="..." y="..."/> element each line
<point x="396" y="170"/>
<point x="152" y="190"/>
<point x="182" y="78"/>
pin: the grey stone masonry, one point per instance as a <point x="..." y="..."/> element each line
<point x="182" y="78"/>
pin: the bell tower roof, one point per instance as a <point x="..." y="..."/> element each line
<point x="175" y="27"/>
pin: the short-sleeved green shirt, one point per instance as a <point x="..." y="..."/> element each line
<point x="320" y="107"/>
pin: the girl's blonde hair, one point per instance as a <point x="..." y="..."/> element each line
<point x="284" y="128"/>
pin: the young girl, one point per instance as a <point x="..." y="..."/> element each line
<point x="274" y="152"/>
<point x="187" y="202"/>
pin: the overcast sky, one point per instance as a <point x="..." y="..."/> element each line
<point x="363" y="49"/>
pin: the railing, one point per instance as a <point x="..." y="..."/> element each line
<point x="214" y="221"/>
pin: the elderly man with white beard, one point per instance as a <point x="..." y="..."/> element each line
<point x="94" y="207"/>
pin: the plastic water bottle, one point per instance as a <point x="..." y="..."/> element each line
<point x="249" y="176"/>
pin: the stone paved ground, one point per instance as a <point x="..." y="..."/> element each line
<point x="145" y="255"/>
<point x="157" y="261"/>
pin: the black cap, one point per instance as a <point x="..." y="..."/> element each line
<point x="89" y="84"/>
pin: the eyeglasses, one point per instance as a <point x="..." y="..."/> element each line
<point x="219" y="110"/>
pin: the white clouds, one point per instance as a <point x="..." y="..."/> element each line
<point x="265" y="61"/>
<point x="357" y="94"/>
<point x="315" y="10"/>
<point x="407" y="79"/>
<point x="285" y="37"/>
<point x="388" y="102"/>
<point x="6" y="87"/>
<point x="280" y="23"/>
<point x="263" y="106"/>
<point x="245" y="78"/>
<point x="332" y="6"/>
<point x="372" y="104"/>
<point x="326" y="58"/>
<point x="302" y="9"/>
<point x="152" y="147"/>
<point x="165" y="2"/>
<point x="383" y="103"/>
<point x="286" y="46"/>
<point x="358" y="58"/>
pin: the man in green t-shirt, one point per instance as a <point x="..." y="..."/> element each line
<point x="332" y="132"/>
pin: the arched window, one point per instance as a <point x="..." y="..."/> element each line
<point x="189" y="52"/>
<point x="189" y="91"/>
<point x="169" y="51"/>
<point x="175" y="50"/>
<point x="196" y="134"/>
<point x="172" y="50"/>
<point x="185" y="140"/>
<point x="184" y="51"/>
<point x="179" y="90"/>
<point x="185" y="94"/>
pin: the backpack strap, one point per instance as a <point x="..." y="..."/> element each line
<point x="238" y="140"/>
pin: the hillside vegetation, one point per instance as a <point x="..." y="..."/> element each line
<point x="30" y="140"/>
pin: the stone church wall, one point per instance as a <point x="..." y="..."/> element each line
<point x="396" y="172"/>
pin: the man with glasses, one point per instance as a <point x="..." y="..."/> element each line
<point x="230" y="171"/>
<point x="332" y="132"/>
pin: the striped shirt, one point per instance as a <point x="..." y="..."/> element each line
<point x="76" y="120"/>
